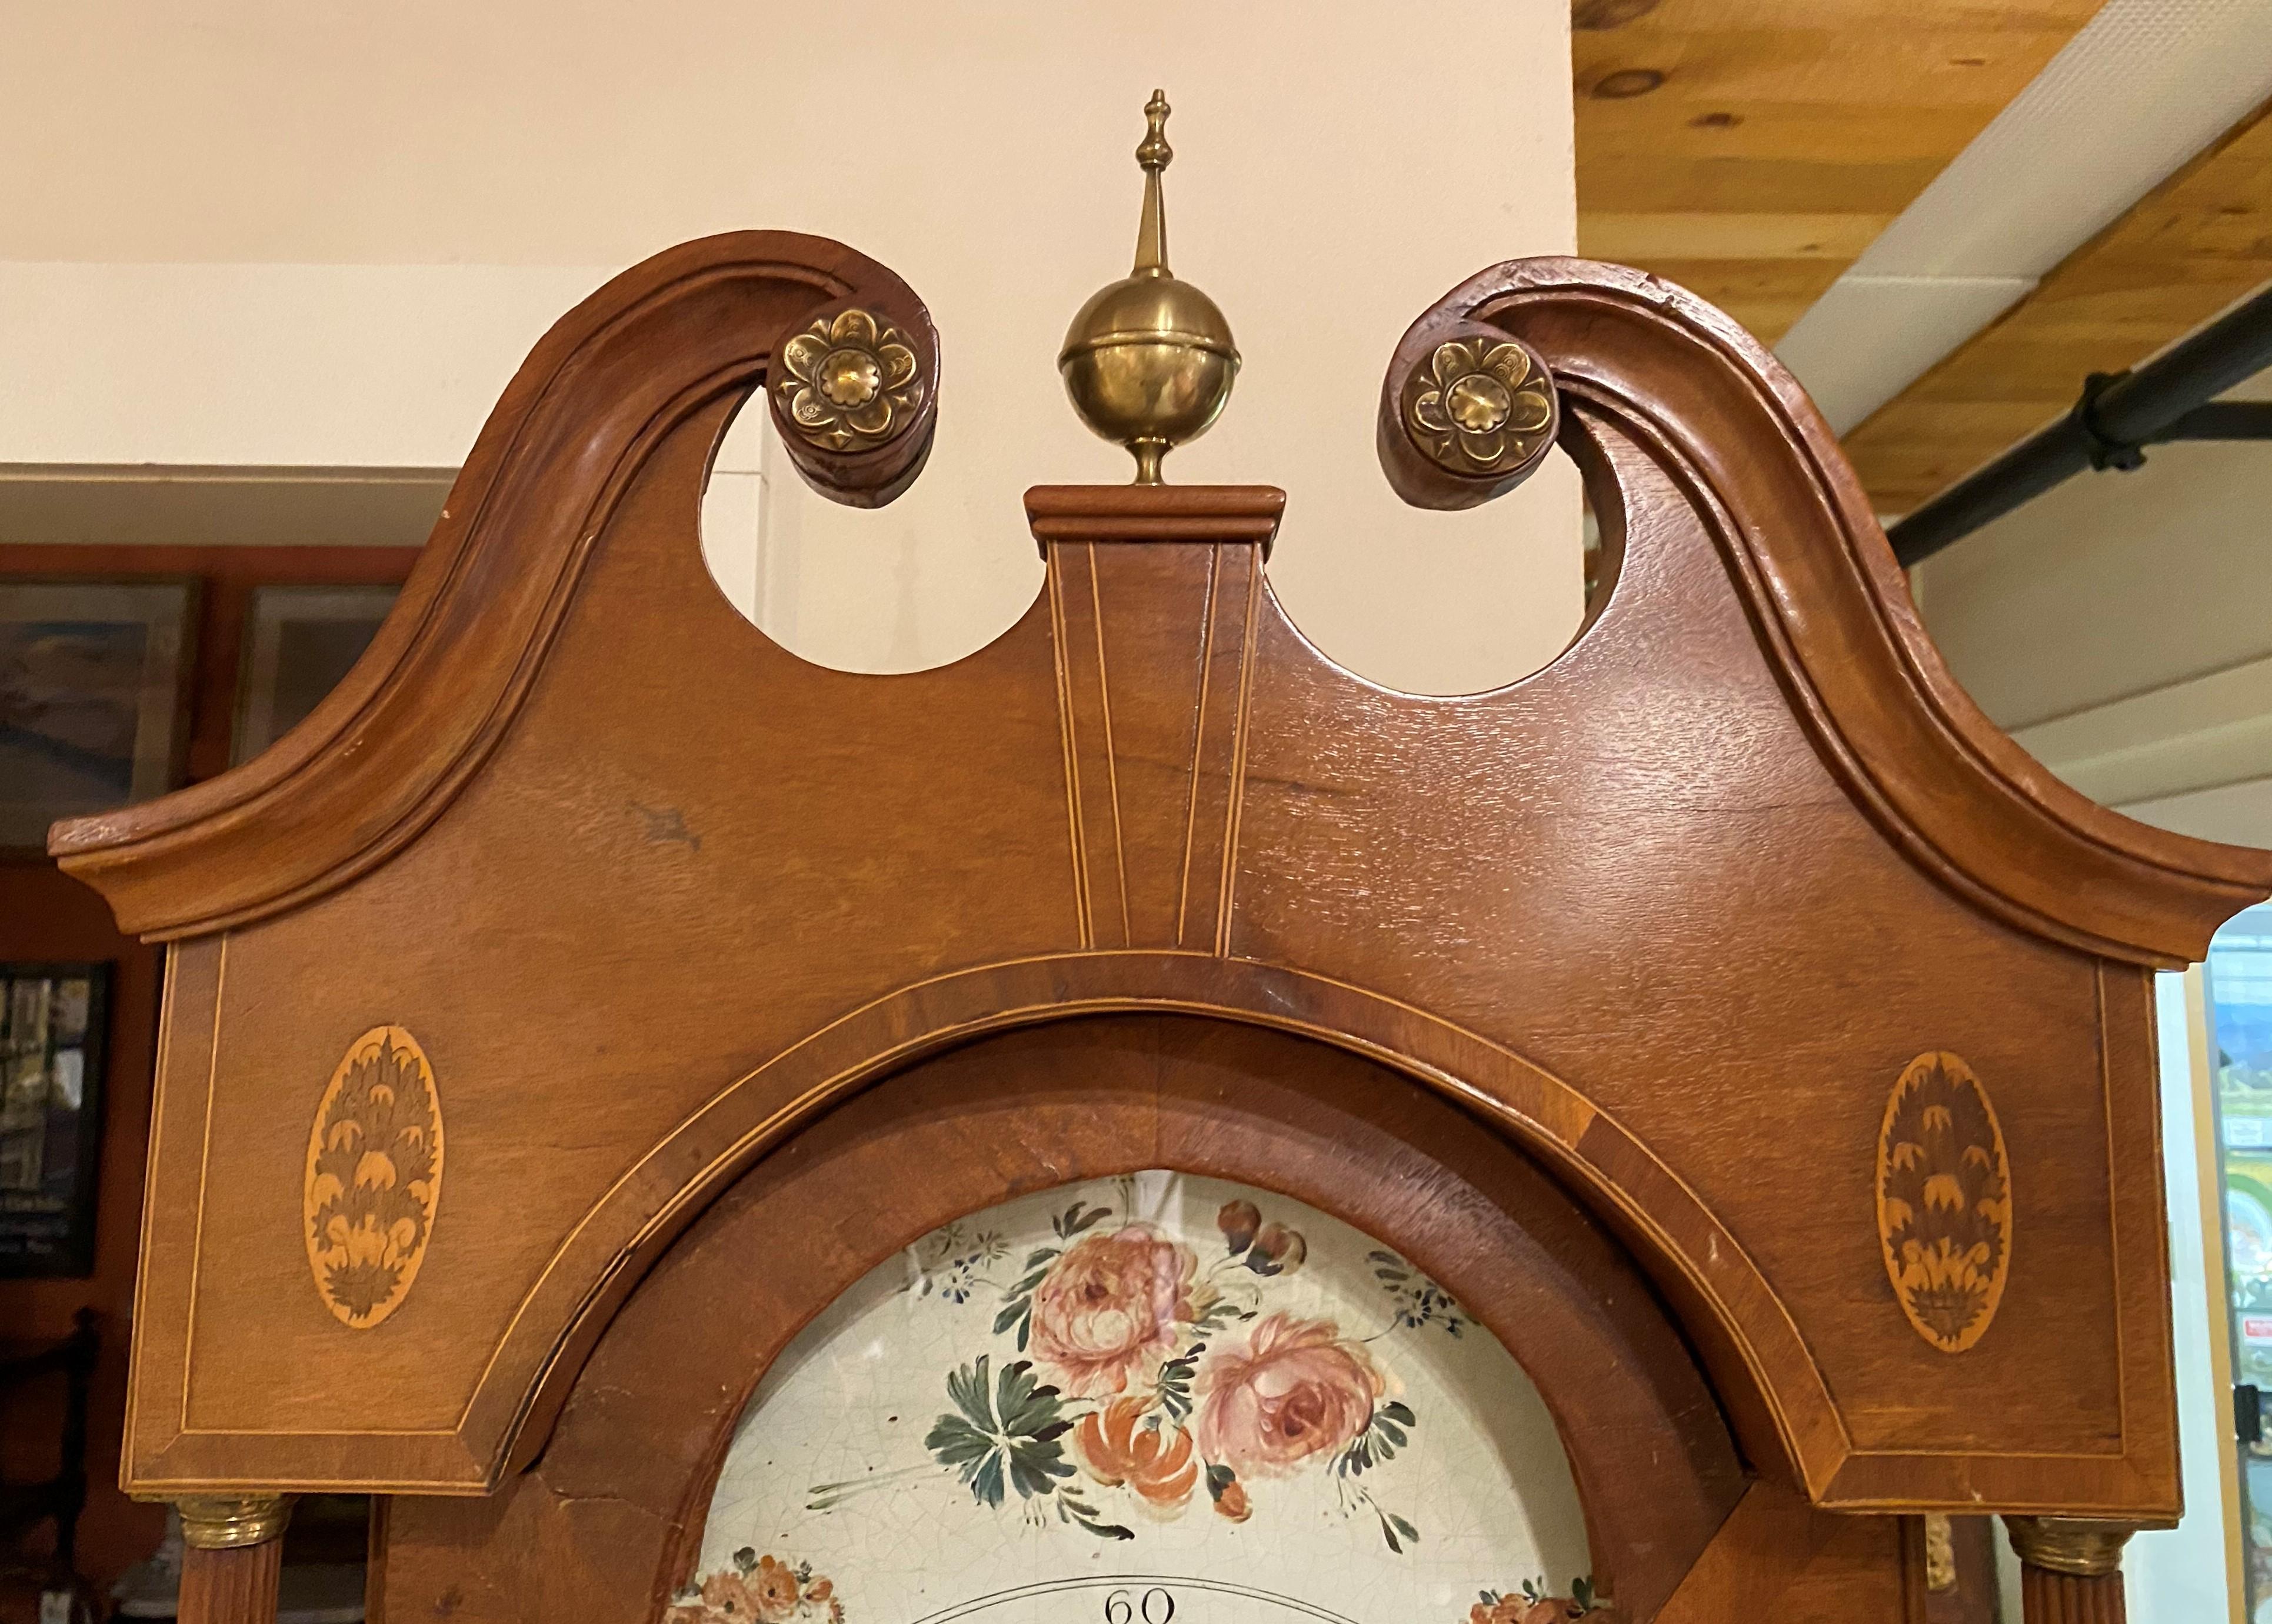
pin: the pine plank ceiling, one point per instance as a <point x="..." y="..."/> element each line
<point x="2194" y="244"/>
<point x="1750" y="150"/>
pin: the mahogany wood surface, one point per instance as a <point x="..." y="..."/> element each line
<point x="230" y="1586"/>
<point x="1777" y="1558"/>
<point x="1673" y="916"/>
<point x="684" y="334"/>
<point x="609" y="1521"/>
<point x="1750" y="463"/>
<point x="2047" y="1598"/>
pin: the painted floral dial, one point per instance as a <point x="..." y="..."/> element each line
<point x="1151" y="1400"/>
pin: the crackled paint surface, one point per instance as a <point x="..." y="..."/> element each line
<point x="1136" y="1401"/>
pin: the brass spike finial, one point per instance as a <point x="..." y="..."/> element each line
<point x="1149" y="360"/>
<point x="1154" y="154"/>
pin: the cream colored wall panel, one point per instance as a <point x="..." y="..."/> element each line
<point x="2172" y="740"/>
<point x="2239" y="814"/>
<point x="264" y="365"/>
<point x="2110" y="586"/>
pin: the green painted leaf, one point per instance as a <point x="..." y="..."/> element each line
<point x="1076" y="1219"/>
<point x="966" y="1388"/>
<point x="1072" y="1505"/>
<point x="986" y="1482"/>
<point x="954" y="1441"/>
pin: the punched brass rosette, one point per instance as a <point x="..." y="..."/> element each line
<point x="853" y="382"/>
<point x="1479" y="404"/>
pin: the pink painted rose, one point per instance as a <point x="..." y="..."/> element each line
<point x="1293" y="1391"/>
<point x="1111" y="1309"/>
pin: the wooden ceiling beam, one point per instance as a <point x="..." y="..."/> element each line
<point x="2188" y="249"/>
<point x="1750" y="149"/>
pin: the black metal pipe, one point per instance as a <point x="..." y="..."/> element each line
<point x="2222" y="420"/>
<point x="2116" y="418"/>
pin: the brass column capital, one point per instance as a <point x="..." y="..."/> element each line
<point x="2076" y="1546"/>
<point x="226" y="1522"/>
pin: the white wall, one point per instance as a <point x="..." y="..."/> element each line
<point x="276" y="234"/>
<point x="2120" y="625"/>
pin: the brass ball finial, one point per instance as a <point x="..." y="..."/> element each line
<point x="1149" y="360"/>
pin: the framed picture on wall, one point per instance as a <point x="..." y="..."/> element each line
<point x="93" y="698"/>
<point x="299" y="642"/>
<point x="52" y="1021"/>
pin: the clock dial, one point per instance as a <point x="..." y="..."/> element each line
<point x="1156" y="1399"/>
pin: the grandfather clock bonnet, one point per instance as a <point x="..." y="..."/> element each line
<point x="1724" y="1042"/>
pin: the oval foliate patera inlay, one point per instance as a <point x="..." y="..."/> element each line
<point x="374" y="1176"/>
<point x="1944" y="1200"/>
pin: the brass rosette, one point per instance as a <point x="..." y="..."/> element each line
<point x="1480" y="405"/>
<point x="851" y="383"/>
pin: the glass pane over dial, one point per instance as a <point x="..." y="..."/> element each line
<point x="1156" y="1399"/>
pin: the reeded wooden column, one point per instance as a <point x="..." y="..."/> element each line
<point x="234" y="1545"/>
<point x="2070" y="1569"/>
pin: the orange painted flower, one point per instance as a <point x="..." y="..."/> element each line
<point x="1231" y="1501"/>
<point x="1527" y="1608"/>
<point x="756" y="1590"/>
<point x="773" y="1591"/>
<point x="1294" y="1390"/>
<point x="1117" y="1449"/>
<point x="1112" y="1309"/>
<point x="724" y="1595"/>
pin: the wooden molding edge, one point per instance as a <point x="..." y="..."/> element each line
<point x="414" y="719"/>
<point x="1833" y="616"/>
<point x="1197" y="513"/>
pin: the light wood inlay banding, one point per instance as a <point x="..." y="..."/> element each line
<point x="1153" y="771"/>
